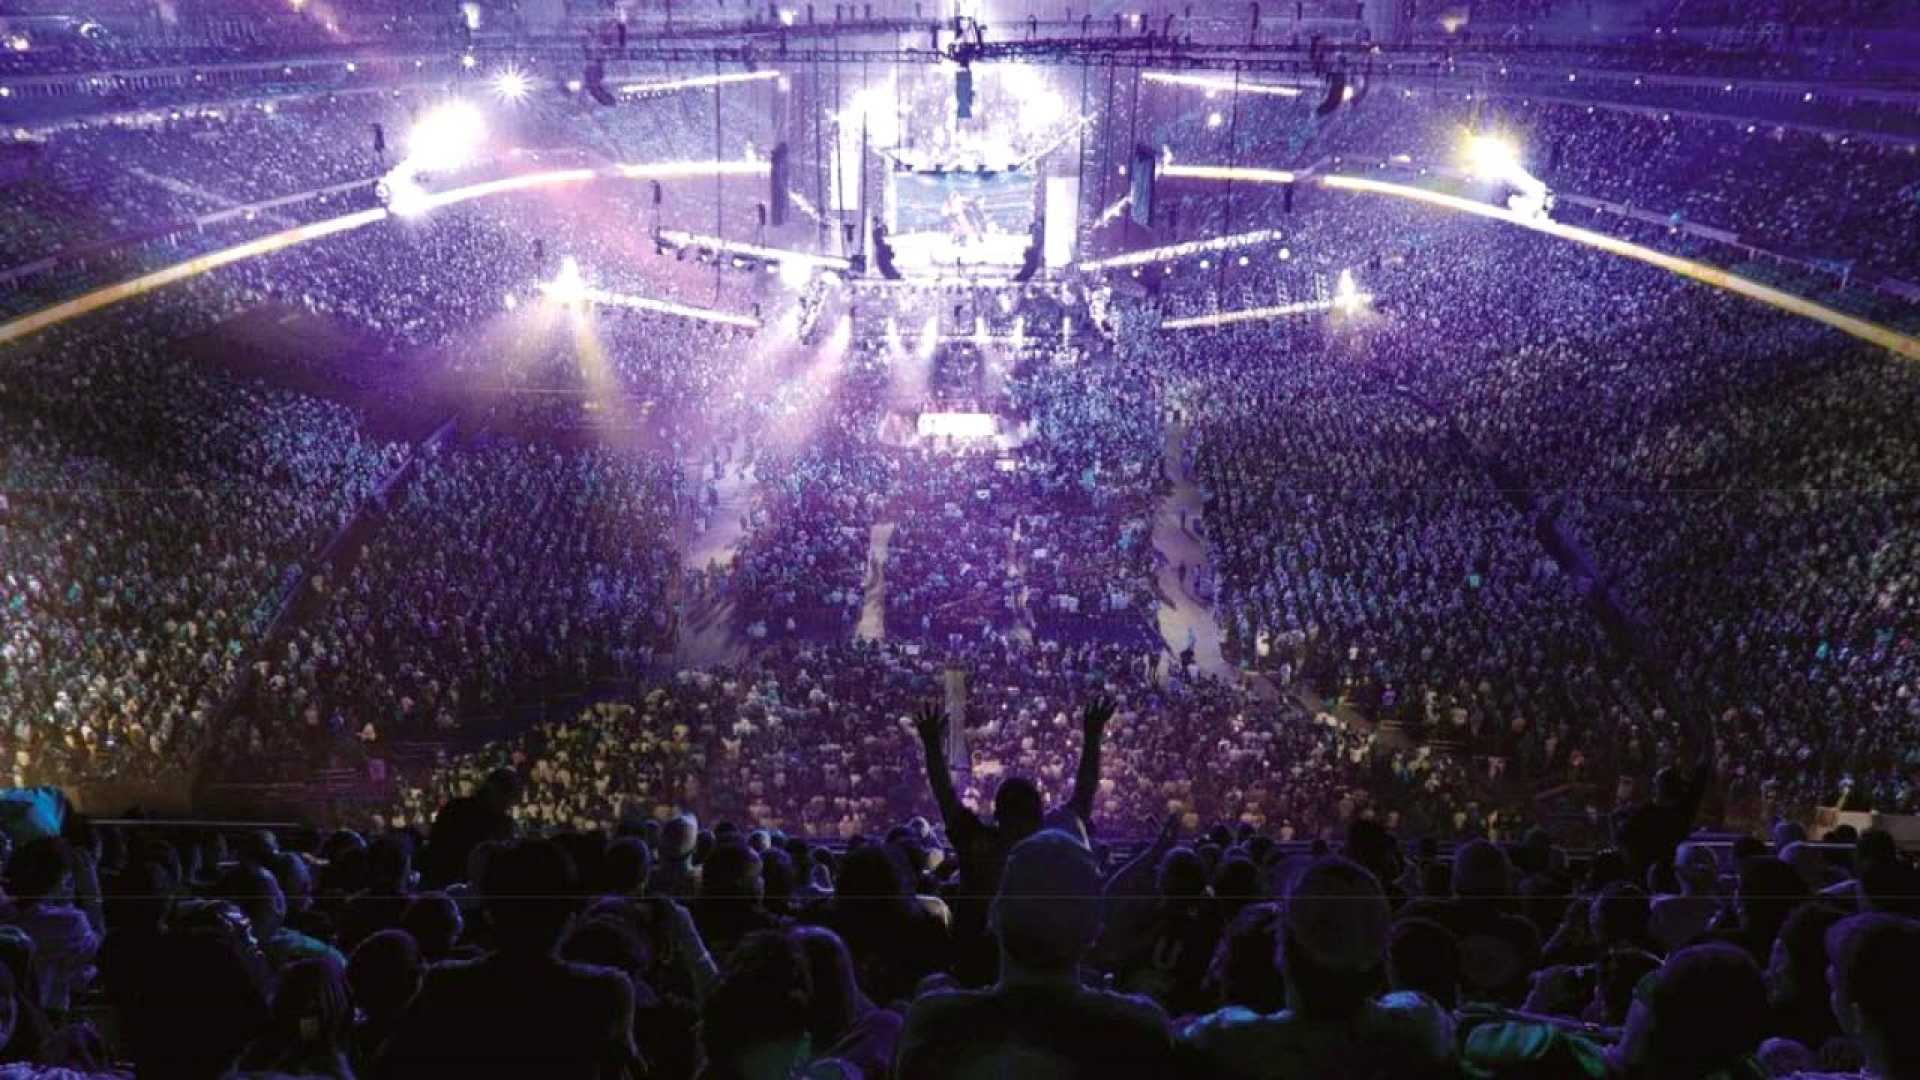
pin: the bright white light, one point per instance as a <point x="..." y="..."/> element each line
<point x="352" y="67"/>
<point x="929" y="339"/>
<point x="876" y="105"/>
<point x="446" y="138"/>
<point x="512" y="85"/>
<point x="471" y="13"/>
<point x="1346" y="295"/>
<point x="1039" y="107"/>
<point x="573" y="86"/>
<point x="1214" y="120"/>
<point x="698" y="82"/>
<point x="568" y="286"/>
<point x="1228" y="172"/>
<point x="19" y="43"/>
<point x="511" y="301"/>
<point x="786" y="16"/>
<point x="1214" y="83"/>
<point x="404" y="195"/>
<point x="795" y="273"/>
<point x="469" y="61"/>
<point x="1492" y="157"/>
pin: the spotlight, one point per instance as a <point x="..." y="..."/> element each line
<point x="469" y="61"/>
<point x="512" y="85"/>
<point x="1214" y="120"/>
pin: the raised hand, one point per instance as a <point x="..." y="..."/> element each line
<point x="1094" y="718"/>
<point x="930" y="720"/>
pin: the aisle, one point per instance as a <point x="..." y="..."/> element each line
<point x="727" y="524"/>
<point x="873" y="609"/>
<point x="1182" y="617"/>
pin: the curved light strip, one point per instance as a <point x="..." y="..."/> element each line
<point x="1179" y="251"/>
<point x="86" y="303"/>
<point x="1227" y="172"/>
<point x="662" y="307"/>
<point x="1870" y="332"/>
<point x="107" y="296"/>
<point x="1228" y="318"/>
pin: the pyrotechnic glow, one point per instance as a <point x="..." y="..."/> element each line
<point x="1180" y="251"/>
<point x="698" y="82"/>
<point x="403" y="194"/>
<point x="1217" y="82"/>
<point x="1491" y="157"/>
<point x="1227" y="172"/>
<point x="1873" y="333"/>
<point x="568" y="286"/>
<point x="512" y="85"/>
<point x="447" y="138"/>
<point x="1346" y="295"/>
<point x="1227" y="318"/>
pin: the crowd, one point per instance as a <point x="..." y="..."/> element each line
<point x="148" y="538"/>
<point x="499" y="935"/>
<point x="506" y="572"/>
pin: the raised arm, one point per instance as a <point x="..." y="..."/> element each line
<point x="931" y="722"/>
<point x="1086" y="779"/>
<point x="1129" y="893"/>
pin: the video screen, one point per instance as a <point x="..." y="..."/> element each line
<point x="964" y="217"/>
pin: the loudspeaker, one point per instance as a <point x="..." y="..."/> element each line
<point x="1145" y="164"/>
<point x="963" y="93"/>
<point x="780" y="172"/>
<point x="1030" y="261"/>
<point x="595" y="78"/>
<point x="657" y="194"/>
<point x="379" y="141"/>
<point x="1336" y="93"/>
<point x="1287" y="199"/>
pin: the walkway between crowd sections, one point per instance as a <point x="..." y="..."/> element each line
<point x="1183" y="618"/>
<point x="873" y="608"/>
<point x="706" y="635"/>
<point x="1022" y="630"/>
<point x="726" y="513"/>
